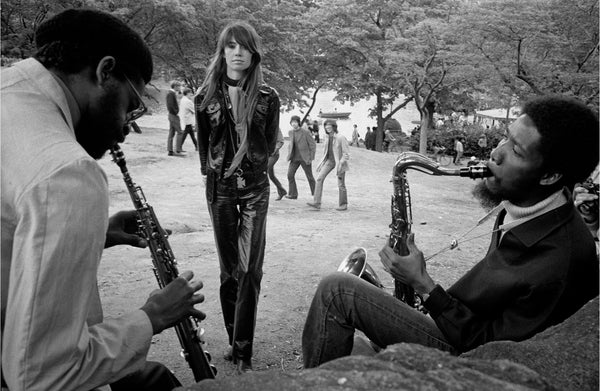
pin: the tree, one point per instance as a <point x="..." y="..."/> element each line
<point x="20" y="18"/>
<point x="537" y="47"/>
<point x="397" y="51"/>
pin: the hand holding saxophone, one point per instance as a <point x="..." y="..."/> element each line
<point x="123" y="229"/>
<point x="409" y="269"/>
<point x="167" y="306"/>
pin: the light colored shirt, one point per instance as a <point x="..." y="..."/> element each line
<point x="54" y="216"/>
<point x="186" y="111"/>
<point x="459" y="147"/>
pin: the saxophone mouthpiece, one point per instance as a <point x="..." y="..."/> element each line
<point x="475" y="172"/>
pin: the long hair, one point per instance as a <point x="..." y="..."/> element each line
<point x="245" y="35"/>
<point x="332" y="123"/>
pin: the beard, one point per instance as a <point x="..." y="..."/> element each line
<point x="100" y="127"/>
<point x="487" y="199"/>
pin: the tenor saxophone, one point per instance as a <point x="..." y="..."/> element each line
<point x="165" y="269"/>
<point x="401" y="210"/>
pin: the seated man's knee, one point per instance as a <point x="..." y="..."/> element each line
<point x="334" y="280"/>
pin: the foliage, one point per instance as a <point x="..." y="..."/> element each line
<point x="535" y="47"/>
<point x="445" y="55"/>
<point x="444" y="136"/>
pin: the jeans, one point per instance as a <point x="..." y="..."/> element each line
<point x="189" y="129"/>
<point x="327" y="167"/>
<point x="239" y="219"/>
<point x="272" y="160"/>
<point x="293" y="167"/>
<point x="344" y="303"/>
<point x="174" y="132"/>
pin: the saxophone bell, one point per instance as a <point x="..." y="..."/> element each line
<point x="356" y="263"/>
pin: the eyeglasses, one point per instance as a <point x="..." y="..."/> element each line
<point x="136" y="113"/>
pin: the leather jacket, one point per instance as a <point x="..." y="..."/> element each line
<point x="215" y="127"/>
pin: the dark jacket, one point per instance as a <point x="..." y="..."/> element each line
<point x="172" y="104"/>
<point x="215" y="129"/>
<point x="306" y="147"/>
<point x="541" y="273"/>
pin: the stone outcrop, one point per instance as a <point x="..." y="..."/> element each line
<point x="564" y="357"/>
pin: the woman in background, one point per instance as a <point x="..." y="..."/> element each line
<point x="238" y="121"/>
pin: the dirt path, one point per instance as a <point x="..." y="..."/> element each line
<point x="302" y="245"/>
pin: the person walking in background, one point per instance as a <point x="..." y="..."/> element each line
<point x="238" y="121"/>
<point x="301" y="152"/>
<point x="459" y="149"/>
<point x="86" y="90"/>
<point x="335" y="156"/>
<point x="369" y="139"/>
<point x="187" y="115"/>
<point x="174" y="123"/>
<point x="388" y="140"/>
<point x="482" y="143"/>
<point x="374" y="139"/>
<point x="272" y="160"/>
<point x="355" y="136"/>
<point x="315" y="131"/>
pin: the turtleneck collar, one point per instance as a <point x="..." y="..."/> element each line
<point x="230" y="82"/>
<point x="516" y="215"/>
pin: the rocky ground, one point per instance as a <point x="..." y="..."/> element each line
<point x="302" y="245"/>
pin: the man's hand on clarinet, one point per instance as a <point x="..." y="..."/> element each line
<point x="122" y="229"/>
<point x="167" y="306"/>
<point x="409" y="269"/>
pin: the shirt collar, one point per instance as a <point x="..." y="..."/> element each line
<point x="71" y="102"/>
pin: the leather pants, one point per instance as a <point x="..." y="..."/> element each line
<point x="239" y="218"/>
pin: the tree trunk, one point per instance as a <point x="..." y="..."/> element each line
<point x="426" y="121"/>
<point x="314" y="100"/>
<point x="379" y="133"/>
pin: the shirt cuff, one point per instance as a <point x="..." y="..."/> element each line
<point x="437" y="301"/>
<point x="143" y="330"/>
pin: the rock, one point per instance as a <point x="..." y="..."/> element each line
<point x="564" y="357"/>
<point x="566" y="354"/>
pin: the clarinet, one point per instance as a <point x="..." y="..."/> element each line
<point x="165" y="269"/>
<point x="400" y="226"/>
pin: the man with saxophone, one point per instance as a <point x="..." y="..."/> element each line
<point x="61" y="111"/>
<point x="540" y="268"/>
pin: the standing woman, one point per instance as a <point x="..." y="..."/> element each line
<point x="238" y="120"/>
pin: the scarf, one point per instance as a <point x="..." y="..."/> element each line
<point x="238" y="105"/>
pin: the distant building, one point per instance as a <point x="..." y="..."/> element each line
<point x="494" y="117"/>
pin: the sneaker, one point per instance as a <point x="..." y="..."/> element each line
<point x="291" y="197"/>
<point x="342" y="207"/>
<point x="314" y="205"/>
